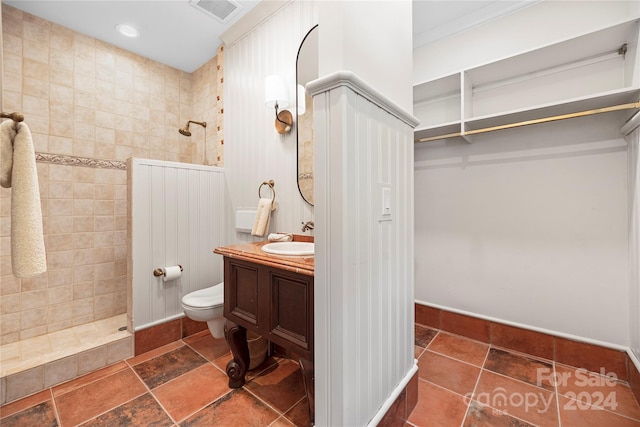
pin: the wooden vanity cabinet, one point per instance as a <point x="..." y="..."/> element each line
<point x="274" y="303"/>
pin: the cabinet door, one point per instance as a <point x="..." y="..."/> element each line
<point x="292" y="308"/>
<point x="241" y="292"/>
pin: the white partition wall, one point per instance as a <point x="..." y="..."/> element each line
<point x="177" y="218"/>
<point x="364" y="251"/>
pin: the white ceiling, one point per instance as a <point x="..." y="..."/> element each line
<point x="176" y="34"/>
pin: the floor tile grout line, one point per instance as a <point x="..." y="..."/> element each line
<point x="426" y="347"/>
<point x="453" y="358"/>
<point x="183" y="344"/>
<point x="280" y="414"/>
<point x="453" y="334"/>
<point x="284" y="414"/>
<point x="173" y="379"/>
<point x="441" y="387"/>
<point x="596" y="374"/>
<point x="101" y="413"/>
<point x="107" y="411"/>
<point x="197" y="410"/>
<point x="557" y="393"/>
<point x="281" y="417"/>
<point x="245" y="388"/>
<point x="205" y="357"/>
<point x="556" y="389"/>
<point x="84" y="375"/>
<point x="473" y="392"/>
<point x="601" y="408"/>
<point x="509" y="350"/>
<point x="520" y="353"/>
<point x="517" y="380"/>
<point x="230" y="390"/>
<point x="488" y="406"/>
<point x="55" y="406"/>
<point x="152" y="394"/>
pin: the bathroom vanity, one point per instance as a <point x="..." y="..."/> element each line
<point x="271" y="295"/>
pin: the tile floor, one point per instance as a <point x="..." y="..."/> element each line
<point x="510" y="389"/>
<point x="184" y="384"/>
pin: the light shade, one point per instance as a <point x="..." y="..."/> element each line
<point x="275" y="92"/>
<point x="302" y="100"/>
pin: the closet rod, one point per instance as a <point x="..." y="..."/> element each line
<point x="16" y="117"/>
<point x="628" y="106"/>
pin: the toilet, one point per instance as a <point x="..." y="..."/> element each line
<point x="206" y="305"/>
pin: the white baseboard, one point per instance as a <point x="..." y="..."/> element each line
<point x="393" y="396"/>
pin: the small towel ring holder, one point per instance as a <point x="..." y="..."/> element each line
<point x="271" y="184"/>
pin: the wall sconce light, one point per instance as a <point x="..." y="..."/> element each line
<point x="276" y="96"/>
<point x="302" y="100"/>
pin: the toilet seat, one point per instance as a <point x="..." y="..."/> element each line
<point x="212" y="296"/>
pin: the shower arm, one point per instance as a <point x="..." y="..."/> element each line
<point x="203" y="124"/>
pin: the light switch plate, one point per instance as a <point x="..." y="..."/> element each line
<point x="385" y="202"/>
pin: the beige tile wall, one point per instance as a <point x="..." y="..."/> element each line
<point x="205" y="108"/>
<point x="83" y="97"/>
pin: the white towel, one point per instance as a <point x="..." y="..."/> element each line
<point x="18" y="171"/>
<point x="263" y="215"/>
<point x="280" y="237"/>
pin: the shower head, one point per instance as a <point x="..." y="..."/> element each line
<point x="185" y="130"/>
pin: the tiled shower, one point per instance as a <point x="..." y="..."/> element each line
<point x="89" y="106"/>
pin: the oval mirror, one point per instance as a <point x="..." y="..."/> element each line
<point x="306" y="71"/>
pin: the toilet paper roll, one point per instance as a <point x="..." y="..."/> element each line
<point x="171" y="273"/>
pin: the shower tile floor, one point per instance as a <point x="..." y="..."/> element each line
<point x="184" y="384"/>
<point x="32" y="352"/>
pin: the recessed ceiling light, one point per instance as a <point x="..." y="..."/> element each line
<point x="127" y="30"/>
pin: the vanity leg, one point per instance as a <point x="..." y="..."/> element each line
<point x="237" y="367"/>
<point x="306" y="366"/>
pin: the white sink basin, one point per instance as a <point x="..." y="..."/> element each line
<point x="289" y="248"/>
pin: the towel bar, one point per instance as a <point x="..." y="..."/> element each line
<point x="271" y="184"/>
<point x="16" y="117"/>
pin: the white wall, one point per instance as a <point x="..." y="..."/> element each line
<point x="372" y="39"/>
<point x="253" y="150"/>
<point x="527" y="226"/>
<point x="533" y="27"/>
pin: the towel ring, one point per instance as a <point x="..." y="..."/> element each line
<point x="270" y="183"/>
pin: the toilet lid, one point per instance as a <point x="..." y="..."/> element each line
<point x="207" y="297"/>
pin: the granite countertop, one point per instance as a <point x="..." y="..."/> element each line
<point x="253" y="252"/>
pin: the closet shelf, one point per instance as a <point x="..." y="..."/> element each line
<point x="628" y="106"/>
<point x="588" y="74"/>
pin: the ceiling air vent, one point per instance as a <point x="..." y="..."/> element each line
<point x="222" y="10"/>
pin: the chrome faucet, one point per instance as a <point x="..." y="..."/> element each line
<point x="307" y="226"/>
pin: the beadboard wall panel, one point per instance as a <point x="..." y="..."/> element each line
<point x="254" y="151"/>
<point x="177" y="218"/>
<point x="633" y="143"/>
<point x="364" y="259"/>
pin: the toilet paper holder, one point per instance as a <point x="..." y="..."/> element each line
<point x="160" y="272"/>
